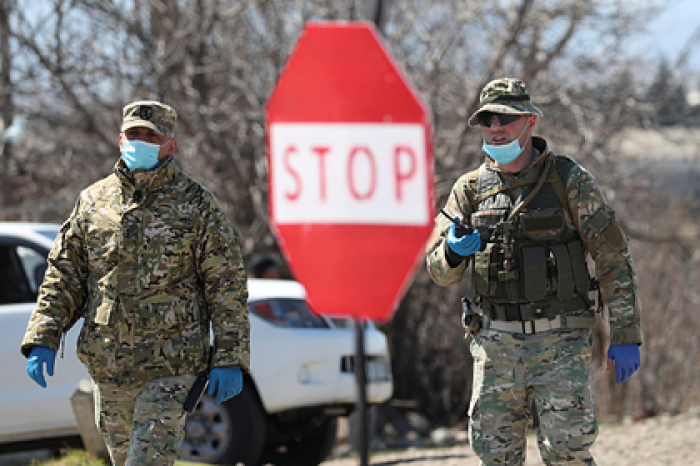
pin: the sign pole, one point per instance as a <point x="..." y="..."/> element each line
<point x="361" y="376"/>
<point x="349" y="168"/>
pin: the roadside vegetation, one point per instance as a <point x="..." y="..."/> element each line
<point x="82" y="458"/>
<point x="72" y="458"/>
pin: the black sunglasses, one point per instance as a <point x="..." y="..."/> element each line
<point x="486" y="118"/>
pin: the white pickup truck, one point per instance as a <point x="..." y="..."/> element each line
<point x="28" y="412"/>
<point x="302" y="372"/>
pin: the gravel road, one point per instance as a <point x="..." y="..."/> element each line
<point x="658" y="441"/>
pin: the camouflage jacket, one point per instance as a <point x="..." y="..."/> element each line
<point x="614" y="270"/>
<point x="149" y="260"/>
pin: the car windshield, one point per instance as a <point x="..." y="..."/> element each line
<point x="50" y="234"/>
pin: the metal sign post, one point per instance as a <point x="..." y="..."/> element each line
<point x="361" y="377"/>
<point x="350" y="177"/>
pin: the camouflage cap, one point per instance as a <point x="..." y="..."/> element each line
<point x="150" y="114"/>
<point x="504" y="95"/>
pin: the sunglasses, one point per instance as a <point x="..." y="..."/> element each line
<point x="486" y="118"/>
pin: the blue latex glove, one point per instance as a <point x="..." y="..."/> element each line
<point x="464" y="245"/>
<point x="39" y="356"/>
<point x="227" y="382"/>
<point x="626" y="360"/>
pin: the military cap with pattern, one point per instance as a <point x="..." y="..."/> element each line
<point x="149" y="114"/>
<point x="504" y="95"/>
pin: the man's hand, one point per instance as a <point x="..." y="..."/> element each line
<point x="39" y="356"/>
<point x="227" y="382"/>
<point x="625" y="359"/>
<point x="463" y="244"/>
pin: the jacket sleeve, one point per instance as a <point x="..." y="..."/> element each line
<point x="223" y="278"/>
<point x="440" y="270"/>
<point x="609" y="248"/>
<point x="63" y="292"/>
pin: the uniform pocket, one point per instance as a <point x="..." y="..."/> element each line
<point x="543" y="224"/>
<point x="167" y="257"/>
<point x="170" y="334"/>
<point x="97" y="348"/>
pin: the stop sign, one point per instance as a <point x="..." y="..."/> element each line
<point x="349" y="170"/>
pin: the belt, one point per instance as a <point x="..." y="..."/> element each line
<point x="527" y="327"/>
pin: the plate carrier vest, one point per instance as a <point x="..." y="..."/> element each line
<point x="531" y="264"/>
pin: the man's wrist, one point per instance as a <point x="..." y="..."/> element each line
<point x="453" y="259"/>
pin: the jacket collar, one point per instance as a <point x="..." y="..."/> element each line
<point x="150" y="180"/>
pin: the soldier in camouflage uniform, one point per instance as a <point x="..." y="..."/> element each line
<point x="536" y="216"/>
<point x="149" y="260"/>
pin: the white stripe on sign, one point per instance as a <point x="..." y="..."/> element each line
<point x="353" y="173"/>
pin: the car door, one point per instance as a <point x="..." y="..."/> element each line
<point x="28" y="411"/>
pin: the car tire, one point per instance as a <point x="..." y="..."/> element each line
<point x="308" y="450"/>
<point x="231" y="433"/>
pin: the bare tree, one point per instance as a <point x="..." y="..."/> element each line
<point x="70" y="66"/>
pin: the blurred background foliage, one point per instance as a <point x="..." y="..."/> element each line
<point x="68" y="66"/>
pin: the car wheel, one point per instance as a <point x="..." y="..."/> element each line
<point x="231" y="433"/>
<point x="308" y="450"/>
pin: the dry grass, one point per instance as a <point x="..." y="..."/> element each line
<point x="82" y="458"/>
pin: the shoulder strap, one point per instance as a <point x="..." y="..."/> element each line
<point x="553" y="178"/>
<point x="559" y="188"/>
<point x="549" y="163"/>
<point x="508" y="185"/>
<point x="473" y="185"/>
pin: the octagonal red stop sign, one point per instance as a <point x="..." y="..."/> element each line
<point x="350" y="170"/>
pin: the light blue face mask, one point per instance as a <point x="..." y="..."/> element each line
<point x="506" y="153"/>
<point x="140" y="155"/>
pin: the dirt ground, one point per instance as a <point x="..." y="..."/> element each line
<point x="658" y="441"/>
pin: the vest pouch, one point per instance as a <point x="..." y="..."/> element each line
<point x="486" y="220"/>
<point x="565" y="276"/>
<point x="484" y="276"/>
<point x="579" y="267"/>
<point x="534" y="273"/>
<point x="543" y="224"/>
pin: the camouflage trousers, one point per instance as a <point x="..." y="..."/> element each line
<point x="142" y="423"/>
<point x="510" y="371"/>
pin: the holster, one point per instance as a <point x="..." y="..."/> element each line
<point x="471" y="319"/>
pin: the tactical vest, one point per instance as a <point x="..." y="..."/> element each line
<point x="531" y="264"/>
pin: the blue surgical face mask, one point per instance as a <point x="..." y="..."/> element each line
<point x="140" y="155"/>
<point x="505" y="153"/>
